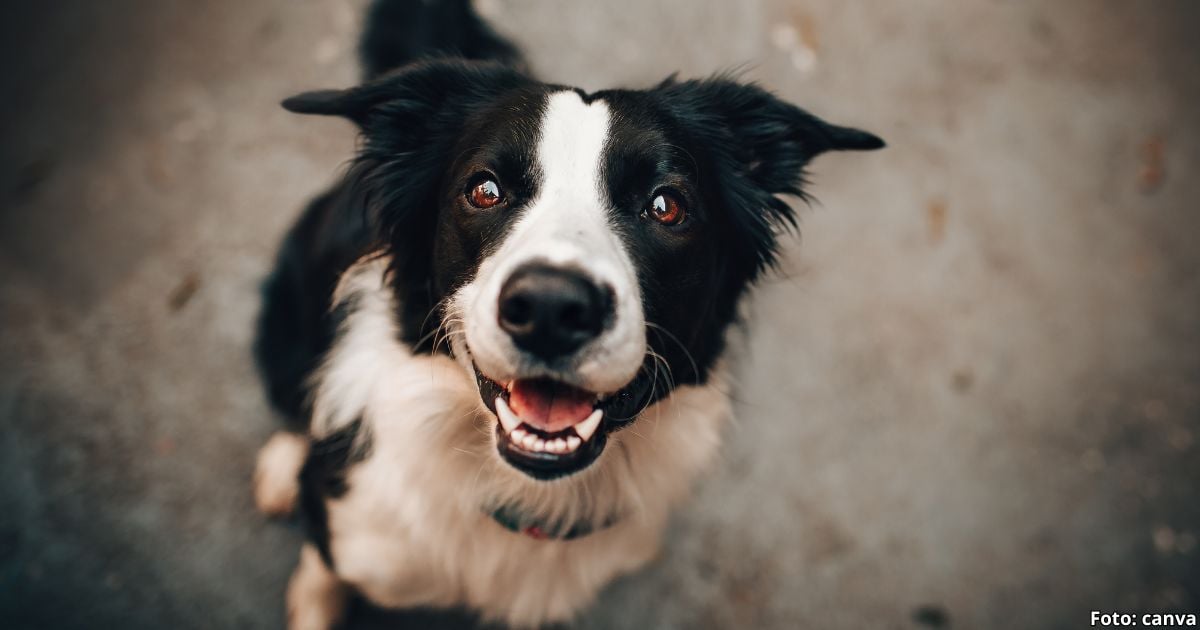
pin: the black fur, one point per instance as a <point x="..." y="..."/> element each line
<point x="399" y="31"/>
<point x="428" y="127"/>
<point x="432" y="125"/>
<point x="400" y="118"/>
<point x="296" y="325"/>
<point x="731" y="149"/>
<point x="323" y="477"/>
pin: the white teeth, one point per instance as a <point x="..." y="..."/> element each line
<point x="586" y="428"/>
<point x="508" y="419"/>
<point x="530" y="442"/>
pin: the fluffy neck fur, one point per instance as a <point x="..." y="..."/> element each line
<point x="429" y="403"/>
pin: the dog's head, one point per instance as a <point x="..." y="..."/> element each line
<point x="582" y="254"/>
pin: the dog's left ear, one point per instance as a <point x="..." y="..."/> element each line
<point x="771" y="138"/>
<point x="759" y="146"/>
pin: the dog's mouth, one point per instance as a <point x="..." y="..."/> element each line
<point x="549" y="429"/>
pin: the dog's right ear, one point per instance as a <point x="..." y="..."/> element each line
<point x="348" y="103"/>
<point x="410" y="119"/>
<point x="418" y="88"/>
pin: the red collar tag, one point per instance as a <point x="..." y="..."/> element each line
<point x="535" y="532"/>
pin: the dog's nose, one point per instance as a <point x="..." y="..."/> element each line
<point x="551" y="312"/>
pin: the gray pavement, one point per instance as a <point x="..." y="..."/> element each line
<point x="972" y="395"/>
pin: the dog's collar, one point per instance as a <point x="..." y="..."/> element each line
<point x="514" y="520"/>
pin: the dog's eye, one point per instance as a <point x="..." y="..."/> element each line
<point x="667" y="208"/>
<point x="485" y="193"/>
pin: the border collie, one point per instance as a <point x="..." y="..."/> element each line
<point x="500" y="334"/>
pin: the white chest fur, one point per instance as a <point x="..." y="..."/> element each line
<point x="412" y="528"/>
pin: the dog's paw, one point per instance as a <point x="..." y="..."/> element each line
<point x="277" y="474"/>
<point x="316" y="598"/>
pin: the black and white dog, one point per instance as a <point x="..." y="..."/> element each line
<point x="503" y="328"/>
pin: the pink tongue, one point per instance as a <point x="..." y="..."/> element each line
<point x="549" y="406"/>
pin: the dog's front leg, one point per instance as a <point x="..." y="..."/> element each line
<point x="316" y="598"/>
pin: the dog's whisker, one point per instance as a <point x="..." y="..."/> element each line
<point x="434" y="310"/>
<point x="663" y="331"/>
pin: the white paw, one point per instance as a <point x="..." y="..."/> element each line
<point x="316" y="598"/>
<point x="277" y="474"/>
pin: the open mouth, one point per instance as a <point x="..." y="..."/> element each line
<point x="546" y="429"/>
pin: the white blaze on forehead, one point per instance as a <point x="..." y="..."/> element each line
<point x="569" y="217"/>
<point x="571" y="149"/>
<point x="567" y="224"/>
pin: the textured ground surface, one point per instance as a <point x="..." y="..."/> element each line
<point x="973" y="398"/>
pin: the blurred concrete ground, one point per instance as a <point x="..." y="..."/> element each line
<point x="973" y="394"/>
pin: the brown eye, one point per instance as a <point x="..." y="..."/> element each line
<point x="667" y="209"/>
<point x="485" y="194"/>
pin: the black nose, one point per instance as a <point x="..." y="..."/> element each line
<point x="551" y="312"/>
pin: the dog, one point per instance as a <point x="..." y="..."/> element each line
<point x="502" y="335"/>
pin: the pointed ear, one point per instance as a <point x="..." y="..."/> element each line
<point x="849" y="138"/>
<point x="415" y="88"/>
<point x="410" y="119"/>
<point x="772" y="138"/>
<point x="758" y="147"/>
<point x="326" y="103"/>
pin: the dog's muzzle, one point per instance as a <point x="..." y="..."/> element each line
<point x="548" y="424"/>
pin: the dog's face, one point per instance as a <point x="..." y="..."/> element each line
<point x="581" y="254"/>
